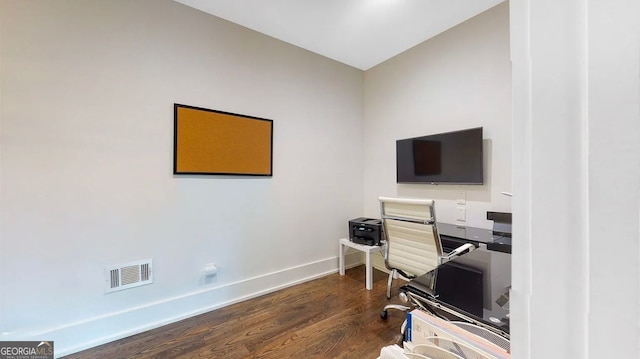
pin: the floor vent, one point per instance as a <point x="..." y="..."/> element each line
<point x="128" y="275"/>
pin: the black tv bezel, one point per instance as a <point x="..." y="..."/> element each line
<point x="442" y="182"/>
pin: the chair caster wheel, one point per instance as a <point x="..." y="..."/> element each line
<point x="383" y="314"/>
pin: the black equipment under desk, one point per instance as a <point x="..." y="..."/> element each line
<point x="473" y="288"/>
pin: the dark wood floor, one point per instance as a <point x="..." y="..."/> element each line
<point x="330" y="317"/>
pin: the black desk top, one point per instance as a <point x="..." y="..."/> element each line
<point x="495" y="241"/>
<point x="475" y="284"/>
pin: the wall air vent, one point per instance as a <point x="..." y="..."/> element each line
<point x="128" y="275"/>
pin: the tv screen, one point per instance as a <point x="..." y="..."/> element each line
<point x="451" y="157"/>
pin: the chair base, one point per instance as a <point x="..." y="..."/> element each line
<point x="395" y="273"/>
<point x="402" y="308"/>
<point x="392" y="273"/>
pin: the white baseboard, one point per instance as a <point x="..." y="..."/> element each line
<point x="74" y="337"/>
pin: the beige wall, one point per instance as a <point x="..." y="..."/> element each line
<point x="459" y="79"/>
<point x="88" y="89"/>
<point x="86" y="142"/>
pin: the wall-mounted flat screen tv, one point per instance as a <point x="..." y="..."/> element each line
<point x="444" y="158"/>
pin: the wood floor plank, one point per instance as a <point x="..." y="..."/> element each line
<point x="329" y="317"/>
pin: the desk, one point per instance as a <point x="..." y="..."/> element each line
<point x="469" y="288"/>
<point x="346" y="243"/>
<point x="453" y="236"/>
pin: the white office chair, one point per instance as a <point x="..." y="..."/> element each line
<point x="431" y="352"/>
<point x="413" y="244"/>
<point x="463" y="350"/>
<point x="416" y="356"/>
<point x="489" y="336"/>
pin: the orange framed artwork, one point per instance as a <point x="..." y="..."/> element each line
<point x="214" y="142"/>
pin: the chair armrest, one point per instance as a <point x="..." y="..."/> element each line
<point x="458" y="251"/>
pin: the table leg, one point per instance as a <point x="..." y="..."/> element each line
<point x="341" y="256"/>
<point x="369" y="271"/>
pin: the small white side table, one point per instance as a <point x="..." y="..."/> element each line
<point x="345" y="242"/>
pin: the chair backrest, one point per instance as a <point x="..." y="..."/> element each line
<point x="458" y="348"/>
<point x="416" y="356"/>
<point x="413" y="244"/>
<point x="490" y="336"/>
<point x="431" y="352"/>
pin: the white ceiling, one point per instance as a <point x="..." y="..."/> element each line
<point x="360" y="33"/>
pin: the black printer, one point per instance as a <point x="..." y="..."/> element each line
<point x="366" y="231"/>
